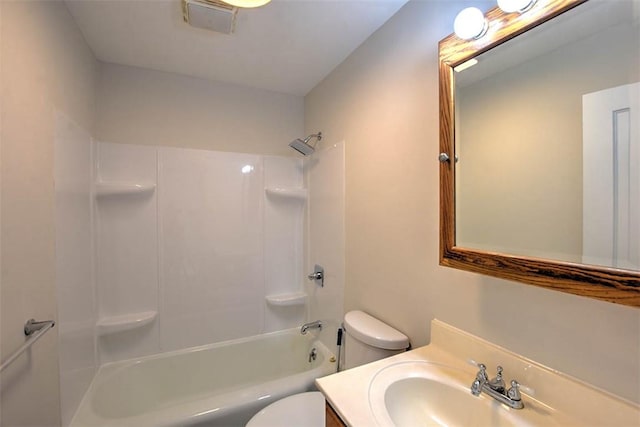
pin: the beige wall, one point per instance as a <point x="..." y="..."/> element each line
<point x="46" y="66"/>
<point x="140" y="106"/>
<point x="520" y="170"/>
<point x="383" y="102"/>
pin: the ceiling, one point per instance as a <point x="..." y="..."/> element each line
<point x="287" y="46"/>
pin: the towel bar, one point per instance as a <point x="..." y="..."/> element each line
<point x="34" y="330"/>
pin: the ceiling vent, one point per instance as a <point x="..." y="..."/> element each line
<point x="213" y="15"/>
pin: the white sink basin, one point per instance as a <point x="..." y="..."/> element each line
<point x="430" y="386"/>
<point x="421" y="393"/>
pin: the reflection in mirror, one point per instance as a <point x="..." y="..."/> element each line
<point x="548" y="140"/>
<point x="543" y="127"/>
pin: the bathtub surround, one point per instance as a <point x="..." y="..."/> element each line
<point x="285" y="207"/>
<point x="187" y="247"/>
<point x="325" y="174"/>
<point x="199" y="251"/>
<point x="75" y="289"/>
<point x="137" y="98"/>
<point x="383" y="101"/>
<point x="126" y="234"/>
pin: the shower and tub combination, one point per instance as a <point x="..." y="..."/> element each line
<point x="232" y="383"/>
<point x="181" y="237"/>
<point x="221" y="384"/>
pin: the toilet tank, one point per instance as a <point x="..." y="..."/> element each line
<point x="368" y="339"/>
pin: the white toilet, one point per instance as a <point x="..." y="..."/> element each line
<point x="367" y="339"/>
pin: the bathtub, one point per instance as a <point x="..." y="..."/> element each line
<point x="222" y="384"/>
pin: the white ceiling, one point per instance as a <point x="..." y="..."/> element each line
<point x="286" y="46"/>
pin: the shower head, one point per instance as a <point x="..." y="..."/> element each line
<point x="302" y="146"/>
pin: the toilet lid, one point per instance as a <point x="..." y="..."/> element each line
<point x="300" y="410"/>
<point x="373" y="332"/>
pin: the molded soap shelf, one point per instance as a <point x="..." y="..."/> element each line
<point x="287" y="193"/>
<point x="125" y="322"/>
<point x="123" y="188"/>
<point x="288" y="299"/>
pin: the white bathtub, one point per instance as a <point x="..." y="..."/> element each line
<point x="221" y="384"/>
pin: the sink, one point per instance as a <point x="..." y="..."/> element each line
<point x="422" y="401"/>
<point x="429" y="394"/>
<point x="430" y="386"/>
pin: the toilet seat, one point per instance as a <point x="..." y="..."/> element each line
<point x="300" y="410"/>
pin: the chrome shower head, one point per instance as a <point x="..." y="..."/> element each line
<point x="302" y="146"/>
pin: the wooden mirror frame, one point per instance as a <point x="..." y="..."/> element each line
<point x="603" y="283"/>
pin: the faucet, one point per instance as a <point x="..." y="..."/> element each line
<point x="496" y="388"/>
<point x="312" y="325"/>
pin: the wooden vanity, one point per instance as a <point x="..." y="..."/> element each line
<point x="331" y="418"/>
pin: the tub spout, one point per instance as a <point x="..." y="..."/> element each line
<point x="312" y="325"/>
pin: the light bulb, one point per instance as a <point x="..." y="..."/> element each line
<point x="510" y="6"/>
<point x="470" y="24"/>
<point x="247" y="3"/>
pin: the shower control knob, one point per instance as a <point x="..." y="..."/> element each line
<point x="317" y="275"/>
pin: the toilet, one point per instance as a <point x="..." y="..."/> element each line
<point x="367" y="340"/>
<point x="300" y="410"/>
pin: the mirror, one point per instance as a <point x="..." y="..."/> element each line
<point x="545" y="131"/>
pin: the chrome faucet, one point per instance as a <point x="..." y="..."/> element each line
<point x="496" y="388"/>
<point x="312" y="325"/>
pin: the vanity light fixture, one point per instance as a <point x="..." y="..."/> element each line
<point x="520" y="6"/>
<point x="247" y="3"/>
<point x="470" y="24"/>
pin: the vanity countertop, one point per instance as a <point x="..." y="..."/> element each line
<point x="348" y="391"/>
<point x="556" y="398"/>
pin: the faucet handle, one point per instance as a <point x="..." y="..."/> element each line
<point x="481" y="379"/>
<point x="514" y="392"/>
<point x="482" y="373"/>
<point x="498" y="383"/>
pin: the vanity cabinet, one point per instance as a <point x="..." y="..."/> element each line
<point x="393" y="391"/>
<point x="331" y="418"/>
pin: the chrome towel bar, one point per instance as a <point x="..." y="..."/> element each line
<point x="34" y="330"/>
